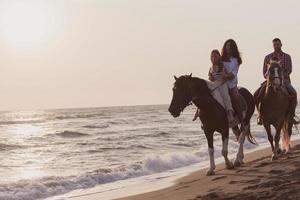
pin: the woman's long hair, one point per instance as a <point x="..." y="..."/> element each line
<point x="234" y="51"/>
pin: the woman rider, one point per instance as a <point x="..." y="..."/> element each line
<point x="232" y="60"/>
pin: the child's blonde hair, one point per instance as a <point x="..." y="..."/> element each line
<point x="220" y="63"/>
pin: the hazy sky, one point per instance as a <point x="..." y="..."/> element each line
<point x="84" y="53"/>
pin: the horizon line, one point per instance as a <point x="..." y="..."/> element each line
<point x="82" y="107"/>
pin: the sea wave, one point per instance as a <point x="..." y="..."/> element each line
<point x="96" y="126"/>
<point x="82" y="116"/>
<point x="7" y="147"/>
<point x="71" y="134"/>
<point x="46" y="118"/>
<point x="53" y="185"/>
<point x="14" y="122"/>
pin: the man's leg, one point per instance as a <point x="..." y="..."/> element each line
<point x="258" y="95"/>
<point x="293" y="101"/>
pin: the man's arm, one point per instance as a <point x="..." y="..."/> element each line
<point x="289" y="65"/>
<point x="265" y="67"/>
<point x="210" y="77"/>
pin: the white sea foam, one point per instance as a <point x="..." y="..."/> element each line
<point x="50" y="186"/>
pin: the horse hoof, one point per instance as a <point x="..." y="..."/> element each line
<point x="279" y="151"/>
<point x="237" y="163"/>
<point x="210" y="173"/>
<point x="229" y="165"/>
<point x="274" y="158"/>
<point x="287" y="152"/>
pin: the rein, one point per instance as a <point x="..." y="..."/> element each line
<point x="218" y="86"/>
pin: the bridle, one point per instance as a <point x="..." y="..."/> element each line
<point x="275" y="76"/>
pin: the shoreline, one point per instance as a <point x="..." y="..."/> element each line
<point x="232" y="184"/>
<point x="174" y="188"/>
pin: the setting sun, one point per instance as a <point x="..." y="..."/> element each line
<point x="26" y="24"/>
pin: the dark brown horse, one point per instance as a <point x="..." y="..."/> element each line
<point x="274" y="109"/>
<point x="213" y="116"/>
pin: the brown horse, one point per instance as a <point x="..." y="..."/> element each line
<point x="212" y="115"/>
<point x="274" y="109"/>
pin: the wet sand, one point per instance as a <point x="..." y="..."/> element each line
<point x="258" y="178"/>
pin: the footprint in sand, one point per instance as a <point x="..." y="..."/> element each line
<point x="218" y="178"/>
<point x="180" y="188"/>
<point x="262" y="164"/>
<point x="252" y="170"/>
<point x="291" y="157"/>
<point x="274" y="171"/>
<point x="253" y="181"/>
<point x="212" y="195"/>
<point x="233" y="182"/>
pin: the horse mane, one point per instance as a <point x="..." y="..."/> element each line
<point x="200" y="85"/>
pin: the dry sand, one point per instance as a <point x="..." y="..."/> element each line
<point x="258" y="178"/>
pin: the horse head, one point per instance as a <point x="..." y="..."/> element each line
<point x="274" y="77"/>
<point x="182" y="94"/>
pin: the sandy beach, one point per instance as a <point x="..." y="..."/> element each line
<point x="258" y="178"/>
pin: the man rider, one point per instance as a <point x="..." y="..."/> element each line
<point x="286" y="64"/>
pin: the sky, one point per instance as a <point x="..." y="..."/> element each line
<point x="93" y="53"/>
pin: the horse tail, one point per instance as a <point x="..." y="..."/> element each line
<point x="250" y="110"/>
<point x="249" y="136"/>
<point x="296" y="126"/>
<point x="286" y="132"/>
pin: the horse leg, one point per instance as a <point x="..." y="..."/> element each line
<point x="277" y="138"/>
<point x="228" y="163"/>
<point x="236" y="131"/>
<point x="270" y="137"/>
<point x="290" y="126"/>
<point x="242" y="141"/>
<point x="240" y="155"/>
<point x="209" y="137"/>
<point x="285" y="138"/>
<point x="288" y="132"/>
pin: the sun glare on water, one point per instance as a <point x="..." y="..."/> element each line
<point x="26" y="24"/>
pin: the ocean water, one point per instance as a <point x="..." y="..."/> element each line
<point x="51" y="152"/>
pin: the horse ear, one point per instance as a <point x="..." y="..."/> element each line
<point x="191" y="74"/>
<point x="175" y="78"/>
